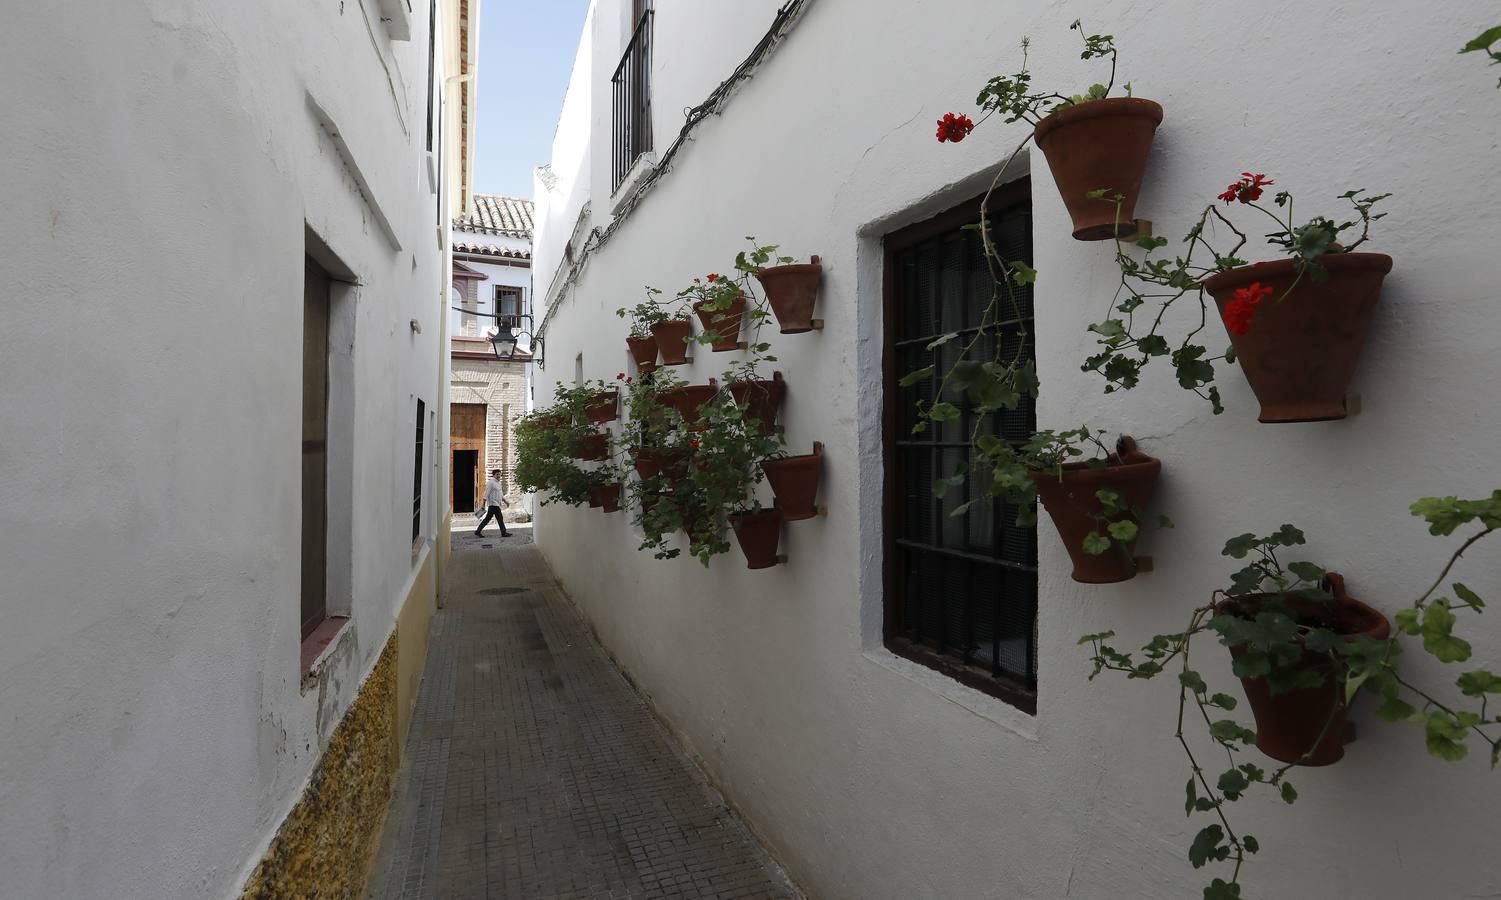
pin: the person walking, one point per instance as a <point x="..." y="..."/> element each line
<point x="495" y="502"/>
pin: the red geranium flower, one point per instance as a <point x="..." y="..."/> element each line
<point x="693" y="444"/>
<point x="619" y="376"/>
<point x="1246" y="190"/>
<point x="713" y="278"/>
<point x="954" y="128"/>
<point x="1242" y="307"/>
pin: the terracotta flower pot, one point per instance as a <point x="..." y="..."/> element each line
<point x="791" y="291"/>
<point x="671" y="336"/>
<point x="1300" y="352"/>
<point x="602" y="408"/>
<point x="1072" y="505"/>
<point x="761" y="399"/>
<point x="592" y="446"/>
<point x="689" y="399"/>
<point x="1100" y="144"/>
<point x="794" y="480"/>
<point x="724" y="322"/>
<point x="757" y="533"/>
<point x="605" y="496"/>
<point x="1310" y="721"/>
<point x="644" y="352"/>
<point x="653" y="461"/>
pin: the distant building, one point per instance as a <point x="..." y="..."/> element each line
<point x="492" y="275"/>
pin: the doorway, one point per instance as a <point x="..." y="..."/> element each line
<point x="465" y="480"/>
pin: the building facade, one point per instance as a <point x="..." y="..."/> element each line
<point x="492" y="288"/>
<point x="225" y="521"/>
<point x="877" y="771"/>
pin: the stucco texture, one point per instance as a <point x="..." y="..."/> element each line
<point x="883" y="780"/>
<point x="323" y="850"/>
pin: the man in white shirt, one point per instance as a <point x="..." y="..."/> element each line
<point x="495" y="501"/>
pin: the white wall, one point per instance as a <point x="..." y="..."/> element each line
<point x="875" y="778"/>
<point x="560" y="198"/>
<point x="154" y="732"/>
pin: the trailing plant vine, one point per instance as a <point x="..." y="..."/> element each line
<point x="1282" y="624"/>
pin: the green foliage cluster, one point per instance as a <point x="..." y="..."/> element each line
<point x="1012" y="97"/>
<point x="1283" y="620"/>
<point x="546" y="440"/>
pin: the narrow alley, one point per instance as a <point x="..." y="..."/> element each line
<point x="534" y="770"/>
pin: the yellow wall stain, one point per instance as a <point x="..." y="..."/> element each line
<point x="324" y="848"/>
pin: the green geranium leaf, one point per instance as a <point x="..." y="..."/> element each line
<point x="1208" y="845"/>
<point x="1486" y="38"/>
<point x="1022" y="274"/>
<point x="1219" y="889"/>
<point x="1438" y="637"/>
<point x="1445" y="736"/>
<point x="1238" y="547"/>
<point x="1124" y="530"/>
<point x="943" y="412"/>
<point x="1479" y="683"/>
<point x="912" y="378"/>
<point x="1097" y="636"/>
<point x="1193" y="681"/>
<point x="1288" y="794"/>
<point x="1470" y="598"/>
<point x="1223" y="701"/>
<point x="1407" y="622"/>
<point x="1193" y="796"/>
<point x="942" y="339"/>
<point x="1096" y="543"/>
<point x="1233" y="783"/>
<point x="1306" y="570"/>
<point x="1395" y="709"/>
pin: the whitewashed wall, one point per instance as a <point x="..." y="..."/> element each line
<point x="874" y="777"/>
<point x="154" y="732"/>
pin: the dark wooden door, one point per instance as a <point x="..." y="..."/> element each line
<point x="315" y="306"/>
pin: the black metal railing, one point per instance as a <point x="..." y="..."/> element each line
<point x="632" y="81"/>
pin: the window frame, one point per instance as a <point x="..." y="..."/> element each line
<point x="1002" y="686"/>
<point x="417" y="485"/>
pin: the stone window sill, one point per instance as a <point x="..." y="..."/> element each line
<point x="320" y="645"/>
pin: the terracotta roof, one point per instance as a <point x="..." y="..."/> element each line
<point x="498" y="215"/>
<point x="488" y="250"/>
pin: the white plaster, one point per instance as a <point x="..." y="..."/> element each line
<point x="160" y="196"/>
<point x="876" y="780"/>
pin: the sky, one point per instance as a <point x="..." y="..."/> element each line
<point x="526" y="52"/>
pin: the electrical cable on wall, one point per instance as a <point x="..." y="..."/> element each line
<point x="786" y="17"/>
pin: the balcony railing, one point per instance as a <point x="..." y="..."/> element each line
<point x="632" y="82"/>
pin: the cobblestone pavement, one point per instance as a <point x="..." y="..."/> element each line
<point x="533" y="770"/>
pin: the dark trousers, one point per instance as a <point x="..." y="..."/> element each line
<point x="494" y="513"/>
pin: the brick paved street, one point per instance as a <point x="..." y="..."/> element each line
<point x="533" y="770"/>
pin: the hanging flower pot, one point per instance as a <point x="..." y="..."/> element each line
<point x="606" y="496"/>
<point x="653" y="461"/>
<point x="725" y="323"/>
<point x="1100" y="144"/>
<point x="689" y="400"/>
<point x="757" y="533"/>
<point x="592" y="446"/>
<point x="671" y="336"/>
<point x="1308" y="721"/>
<point x="602" y="408"/>
<point x="644" y="352"/>
<point x="794" y="480"/>
<point x="1299" y="352"/>
<point x="761" y="399"/>
<point x="1077" y="512"/>
<point x="791" y="290"/>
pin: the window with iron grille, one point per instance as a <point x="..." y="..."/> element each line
<point x="417" y="474"/>
<point x="961" y="591"/>
<point x="632" y="98"/>
<point x="508" y="306"/>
